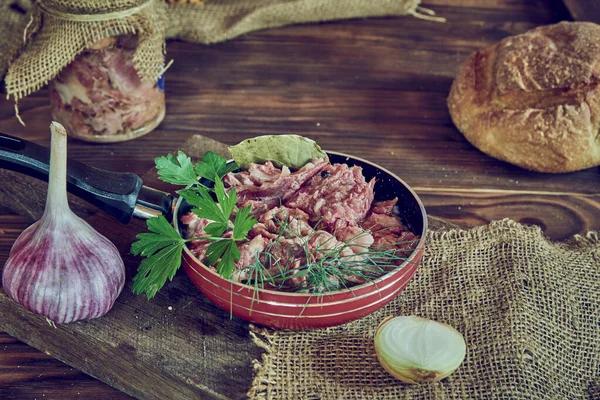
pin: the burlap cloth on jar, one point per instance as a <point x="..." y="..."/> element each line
<point x="529" y="310"/>
<point x="12" y="13"/>
<point x="54" y="32"/>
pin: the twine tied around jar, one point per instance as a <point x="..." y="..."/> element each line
<point x="94" y="17"/>
<point x="57" y="31"/>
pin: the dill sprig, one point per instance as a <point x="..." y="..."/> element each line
<point x="326" y="267"/>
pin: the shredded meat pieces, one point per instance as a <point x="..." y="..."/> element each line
<point x="288" y="222"/>
<point x="271" y="183"/>
<point x="195" y="228"/>
<point x="282" y="260"/>
<point x="385" y="207"/>
<point x="321" y="214"/>
<point x="248" y="253"/>
<point x="337" y="197"/>
<point x="100" y="93"/>
<point x="357" y="238"/>
<point x="387" y="230"/>
<point x="259" y="207"/>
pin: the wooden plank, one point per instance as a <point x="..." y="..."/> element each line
<point x="366" y="87"/>
<point x="466" y="208"/>
<point x="559" y="215"/>
<point x="179" y="345"/>
<point x="292" y="78"/>
<point x="24" y="195"/>
<point x="11" y="228"/>
<point x="584" y="10"/>
<point x="46" y="377"/>
<point x="404" y="133"/>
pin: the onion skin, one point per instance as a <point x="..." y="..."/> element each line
<point x="410" y="374"/>
<point x="421" y="376"/>
<point x="60" y="267"/>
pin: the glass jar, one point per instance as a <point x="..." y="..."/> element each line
<point x="99" y="97"/>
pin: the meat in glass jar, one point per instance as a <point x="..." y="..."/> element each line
<point x="99" y="97"/>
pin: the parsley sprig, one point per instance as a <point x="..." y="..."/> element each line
<point x="163" y="245"/>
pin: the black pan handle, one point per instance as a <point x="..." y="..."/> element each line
<point x="116" y="193"/>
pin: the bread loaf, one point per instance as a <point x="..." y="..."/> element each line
<point x="533" y="99"/>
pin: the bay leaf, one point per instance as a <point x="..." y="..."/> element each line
<point x="293" y="151"/>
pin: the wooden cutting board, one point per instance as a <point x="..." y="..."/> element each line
<point x="177" y="346"/>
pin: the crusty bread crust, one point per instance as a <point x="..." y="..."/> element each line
<point x="533" y="99"/>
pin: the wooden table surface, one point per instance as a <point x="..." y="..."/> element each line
<point x="375" y="88"/>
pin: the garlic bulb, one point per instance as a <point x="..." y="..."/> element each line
<point x="415" y="349"/>
<point x="60" y="267"/>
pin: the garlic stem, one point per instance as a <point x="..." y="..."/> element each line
<point x="56" y="199"/>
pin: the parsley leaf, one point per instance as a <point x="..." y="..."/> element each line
<point x="214" y="167"/>
<point x="227" y="251"/>
<point x="216" y="250"/>
<point x="227" y="263"/>
<point x="163" y="246"/>
<point x="216" y="229"/>
<point x="207" y="208"/>
<point x="204" y="203"/>
<point x="243" y="223"/>
<point x="162" y="249"/>
<point x="178" y="171"/>
<point x="227" y="202"/>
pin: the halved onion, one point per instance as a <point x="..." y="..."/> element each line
<point x="415" y="349"/>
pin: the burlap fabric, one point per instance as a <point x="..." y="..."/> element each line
<point x="218" y="20"/>
<point x="56" y="31"/>
<point x="529" y="310"/>
<point x="12" y="14"/>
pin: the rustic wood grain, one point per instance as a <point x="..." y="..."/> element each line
<point x="24" y="195"/>
<point x="179" y="345"/>
<point x="584" y="10"/>
<point x="27" y="373"/>
<point x="374" y="88"/>
<point x="559" y="215"/>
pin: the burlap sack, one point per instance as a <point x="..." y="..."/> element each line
<point x="218" y="20"/>
<point x="56" y="31"/>
<point x="529" y="310"/>
<point x="12" y="15"/>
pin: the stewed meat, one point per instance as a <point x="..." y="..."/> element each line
<point x="304" y="217"/>
<point x="101" y="94"/>
<point x="275" y="184"/>
<point x="337" y="197"/>
<point x="387" y="230"/>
